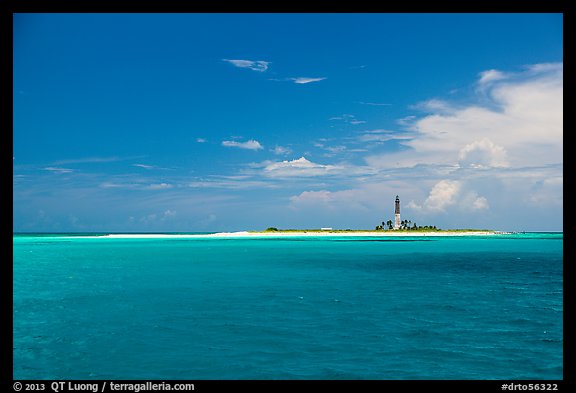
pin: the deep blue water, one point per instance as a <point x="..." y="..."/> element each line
<point x="303" y="308"/>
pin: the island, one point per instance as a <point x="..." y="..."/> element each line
<point x="396" y="227"/>
<point x="273" y="232"/>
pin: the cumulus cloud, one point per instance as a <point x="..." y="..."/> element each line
<point x="481" y="154"/>
<point x="248" y="145"/>
<point x="546" y="192"/>
<point x="520" y="126"/>
<point x="447" y="194"/>
<point x="442" y="195"/>
<point x="254" y="65"/>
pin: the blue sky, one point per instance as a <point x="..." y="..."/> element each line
<point x="211" y="122"/>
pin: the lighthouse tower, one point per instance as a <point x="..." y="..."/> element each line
<point x="397" y="213"/>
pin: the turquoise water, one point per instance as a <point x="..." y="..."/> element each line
<point x="300" y="308"/>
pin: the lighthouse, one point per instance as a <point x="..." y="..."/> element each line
<point x="397" y="213"/>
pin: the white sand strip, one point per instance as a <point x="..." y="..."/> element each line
<point x="246" y="234"/>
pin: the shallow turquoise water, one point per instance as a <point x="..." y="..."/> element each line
<point x="299" y="308"/>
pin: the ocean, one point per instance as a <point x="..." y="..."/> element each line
<point x="468" y="307"/>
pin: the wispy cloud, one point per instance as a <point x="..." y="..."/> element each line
<point x="151" y="167"/>
<point x="144" y="166"/>
<point x="330" y="150"/>
<point x="230" y="182"/>
<point x="58" y="170"/>
<point x="249" y="145"/>
<point x="304" y="80"/>
<point x="380" y="136"/>
<point x="137" y="185"/>
<point x="347" y="118"/>
<point x="159" y="186"/>
<point x="254" y="65"/>
<point x="372" y="103"/>
<point x="490" y="76"/>
<point x="201" y="140"/>
<point x="89" y="160"/>
<point x="281" y="150"/>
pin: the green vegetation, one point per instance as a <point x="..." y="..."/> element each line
<point x="408" y="225"/>
<point x="273" y="229"/>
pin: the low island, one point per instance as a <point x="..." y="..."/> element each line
<point x="273" y="232"/>
<point x="396" y="227"/>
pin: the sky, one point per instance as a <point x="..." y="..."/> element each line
<point x="227" y="122"/>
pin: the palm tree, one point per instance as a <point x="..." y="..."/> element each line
<point x="389" y="223"/>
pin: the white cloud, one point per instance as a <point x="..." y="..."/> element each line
<point x="249" y="145"/>
<point x="367" y="199"/>
<point x="144" y="166"/>
<point x="442" y="195"/>
<point x="490" y="76"/>
<point x="281" y="150"/>
<point x="547" y="192"/>
<point x="481" y="154"/>
<point x="254" y="65"/>
<point x="521" y="126"/>
<point x="435" y="105"/>
<point x="201" y="140"/>
<point x="229" y="183"/>
<point x="313" y="197"/>
<point x="159" y="186"/>
<point x="478" y="203"/>
<point x="303" y="80"/>
<point x="299" y="167"/>
<point x="58" y="170"/>
<point x="381" y="136"/>
<point x="546" y="67"/>
<point x="344" y="200"/>
<point x="331" y="150"/>
<point x="169" y="213"/>
<point x="90" y="160"/>
<point x="346" y="118"/>
<point x="407" y="121"/>
<point x="449" y="194"/>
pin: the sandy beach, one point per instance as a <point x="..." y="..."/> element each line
<point x="246" y="234"/>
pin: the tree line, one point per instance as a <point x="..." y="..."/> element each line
<point x="406" y="225"/>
